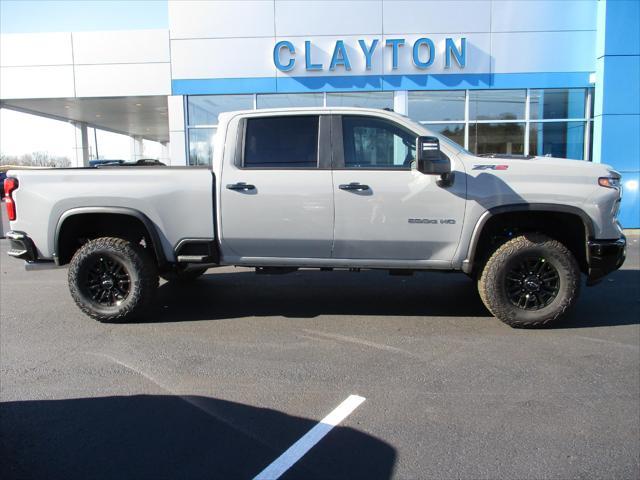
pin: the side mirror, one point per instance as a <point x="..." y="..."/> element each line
<point x="431" y="161"/>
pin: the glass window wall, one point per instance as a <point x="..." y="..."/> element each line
<point x="453" y="131"/>
<point x="557" y="103"/>
<point x="437" y="106"/>
<point x="290" y="100"/>
<point x="498" y="121"/>
<point x="201" y="145"/>
<point x="361" y="99"/>
<point x="497" y="104"/>
<point x="557" y="139"/>
<point x="554" y="122"/>
<point x="507" y="138"/>
<point x="204" y="109"/>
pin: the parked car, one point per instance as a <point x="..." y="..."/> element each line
<point x="104" y="162"/>
<point x="326" y="188"/>
<point x="3" y="175"/>
<point x="149" y="162"/>
<point x="143" y="162"/>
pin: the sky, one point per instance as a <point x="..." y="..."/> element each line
<point x="28" y="16"/>
<point x="21" y="133"/>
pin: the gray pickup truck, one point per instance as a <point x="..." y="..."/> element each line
<point x="325" y="188"/>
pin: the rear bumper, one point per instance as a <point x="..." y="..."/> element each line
<point x="605" y="256"/>
<point x="22" y="247"/>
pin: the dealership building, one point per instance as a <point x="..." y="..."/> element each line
<point x="558" y="77"/>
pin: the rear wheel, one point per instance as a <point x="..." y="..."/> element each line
<point x="530" y="281"/>
<point x="112" y="280"/>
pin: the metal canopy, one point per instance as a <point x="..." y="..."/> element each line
<point x="144" y="117"/>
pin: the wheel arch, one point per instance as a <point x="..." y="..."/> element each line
<point x="61" y="254"/>
<point x="470" y="264"/>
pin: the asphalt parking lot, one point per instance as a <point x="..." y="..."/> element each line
<point x="227" y="374"/>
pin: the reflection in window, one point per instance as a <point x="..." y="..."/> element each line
<point x="374" y="143"/>
<point x="557" y="139"/>
<point x="204" y="109"/>
<point x="290" y="100"/>
<point x="557" y="103"/>
<point x="453" y="131"/>
<point x="438" y="106"/>
<point x="505" y="138"/>
<point x="361" y="99"/>
<point x="281" y="142"/>
<point x="201" y="146"/>
<point x="497" y="104"/>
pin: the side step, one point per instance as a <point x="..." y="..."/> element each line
<point x="275" y="270"/>
<point x="197" y="250"/>
<point x="194" y="259"/>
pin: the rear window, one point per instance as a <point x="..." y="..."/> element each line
<point x="281" y="142"/>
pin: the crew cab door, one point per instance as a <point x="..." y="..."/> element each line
<point x="385" y="208"/>
<point x="276" y="195"/>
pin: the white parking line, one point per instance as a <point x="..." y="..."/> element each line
<point x="296" y="451"/>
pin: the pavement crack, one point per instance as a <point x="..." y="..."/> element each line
<point x="365" y="343"/>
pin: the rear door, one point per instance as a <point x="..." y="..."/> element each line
<point x="385" y="208"/>
<point x="277" y="196"/>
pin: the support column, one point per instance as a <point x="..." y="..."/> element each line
<point x="616" y="133"/>
<point x="137" y="149"/>
<point x="81" y="147"/>
<point x="177" y="136"/>
<point x="164" y="153"/>
<point x="401" y="102"/>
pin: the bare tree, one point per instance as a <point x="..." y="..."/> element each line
<point x="35" y="159"/>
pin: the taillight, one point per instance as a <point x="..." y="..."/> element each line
<point x="10" y="184"/>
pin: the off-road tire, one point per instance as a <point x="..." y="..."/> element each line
<point x="492" y="284"/>
<point x="136" y="262"/>
<point x="183" y="276"/>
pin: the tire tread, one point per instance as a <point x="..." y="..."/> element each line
<point x="142" y="262"/>
<point x="489" y="288"/>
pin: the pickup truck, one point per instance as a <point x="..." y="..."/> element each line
<point x="325" y="188"/>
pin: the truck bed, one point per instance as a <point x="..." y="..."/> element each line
<point x="177" y="200"/>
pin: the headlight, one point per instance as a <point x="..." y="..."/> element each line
<point x="609" y="182"/>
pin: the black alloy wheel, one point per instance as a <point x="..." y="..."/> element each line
<point x="108" y="282"/>
<point x="532" y="283"/>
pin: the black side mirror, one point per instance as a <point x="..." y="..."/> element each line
<point x="431" y="161"/>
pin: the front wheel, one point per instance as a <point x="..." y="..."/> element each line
<point x="530" y="281"/>
<point x="112" y="280"/>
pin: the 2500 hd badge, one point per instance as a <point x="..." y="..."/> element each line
<point x="448" y="221"/>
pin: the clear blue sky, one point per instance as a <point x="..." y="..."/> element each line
<point x="29" y="16"/>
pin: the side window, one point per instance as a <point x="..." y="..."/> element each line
<point x="376" y="143"/>
<point x="281" y="142"/>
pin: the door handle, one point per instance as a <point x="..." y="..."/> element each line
<point x="353" y="186"/>
<point x="241" y="186"/>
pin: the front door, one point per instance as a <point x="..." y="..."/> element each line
<point x="385" y="208"/>
<point x="277" y="199"/>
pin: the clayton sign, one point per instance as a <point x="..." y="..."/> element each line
<point x="423" y="54"/>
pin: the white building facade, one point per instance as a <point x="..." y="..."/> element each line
<point x="519" y="77"/>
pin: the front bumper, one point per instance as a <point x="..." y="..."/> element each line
<point x="605" y="256"/>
